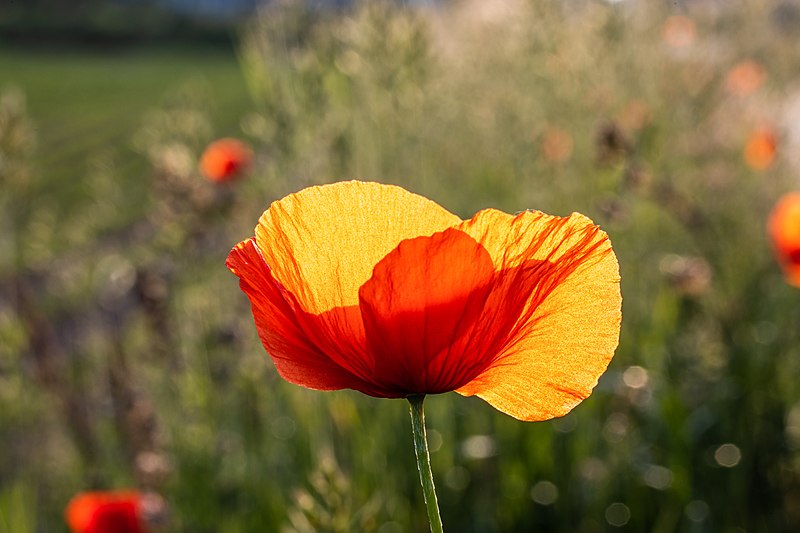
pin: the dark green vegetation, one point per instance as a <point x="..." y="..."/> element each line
<point x="46" y="24"/>
<point x="128" y="355"/>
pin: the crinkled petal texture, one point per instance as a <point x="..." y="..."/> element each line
<point x="370" y="287"/>
<point x="569" y="329"/>
<point x="784" y="230"/>
<point x="105" y="512"/>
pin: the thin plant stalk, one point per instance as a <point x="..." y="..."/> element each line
<point x="424" y="462"/>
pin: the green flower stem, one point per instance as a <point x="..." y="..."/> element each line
<point x="424" y="462"/>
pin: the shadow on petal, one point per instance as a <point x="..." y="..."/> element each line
<point x="422" y="298"/>
<point x="288" y="339"/>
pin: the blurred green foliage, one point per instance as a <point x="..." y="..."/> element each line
<point x="128" y="355"/>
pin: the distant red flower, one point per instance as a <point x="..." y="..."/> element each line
<point x="370" y="287"/>
<point x="784" y="230"/>
<point x="635" y="115"/>
<point x="745" y="78"/>
<point x="760" y="149"/>
<point x="678" y="31"/>
<point x="105" y="512"/>
<point x="225" y="160"/>
<point x="556" y="145"/>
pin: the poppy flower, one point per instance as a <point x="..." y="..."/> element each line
<point x="225" y="159"/>
<point x="370" y="287"/>
<point x="556" y="145"/>
<point x="105" y="512"/>
<point x="760" y="149"/>
<point x="678" y="31"/>
<point x="745" y="78"/>
<point x="784" y="230"/>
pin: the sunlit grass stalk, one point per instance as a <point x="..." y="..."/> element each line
<point x="424" y="462"/>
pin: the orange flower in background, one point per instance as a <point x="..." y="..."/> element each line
<point x="784" y="231"/>
<point x="370" y="287"/>
<point x="760" y="149"/>
<point x="105" y="512"/>
<point x="635" y="115"/>
<point x="678" y="31"/>
<point x="745" y="78"/>
<point x="225" y="159"/>
<point x="556" y="145"/>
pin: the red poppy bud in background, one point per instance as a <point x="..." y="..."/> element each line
<point x="784" y="231"/>
<point x="760" y="150"/>
<point x="678" y="31"/>
<point x="225" y="159"/>
<point x="745" y="78"/>
<point x="105" y="512"/>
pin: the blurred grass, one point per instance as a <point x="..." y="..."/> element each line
<point x="84" y="103"/>
<point x="580" y="106"/>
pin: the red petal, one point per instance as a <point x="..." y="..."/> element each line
<point x="420" y="309"/>
<point x="287" y="332"/>
<point x="105" y="512"/>
<point x="117" y="517"/>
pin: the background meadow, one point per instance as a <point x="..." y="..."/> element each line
<point x="128" y="356"/>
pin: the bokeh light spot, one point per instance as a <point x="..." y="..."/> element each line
<point x="618" y="514"/>
<point x="728" y="455"/>
<point x="457" y="478"/>
<point x="616" y="427"/>
<point x="434" y="441"/>
<point x="635" y="377"/>
<point x="678" y="31"/>
<point x="544" y="493"/>
<point x="697" y="510"/>
<point x="657" y="477"/>
<point x="478" y="447"/>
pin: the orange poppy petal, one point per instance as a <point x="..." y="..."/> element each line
<point x="571" y="328"/>
<point x="285" y="330"/>
<point x="80" y="510"/>
<point x="784" y="222"/>
<point x="760" y="149"/>
<point x="322" y="243"/>
<point x="784" y="230"/>
<point x="422" y="298"/>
